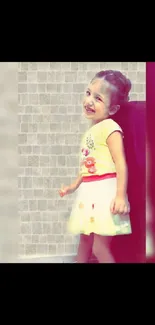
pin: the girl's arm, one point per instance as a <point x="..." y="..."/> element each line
<point x="116" y="147"/>
<point x="71" y="188"/>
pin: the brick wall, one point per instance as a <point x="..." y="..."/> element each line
<point x="50" y="128"/>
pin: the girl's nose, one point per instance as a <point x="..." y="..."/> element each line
<point x="90" y="103"/>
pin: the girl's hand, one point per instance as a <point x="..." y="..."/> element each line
<point x="120" y="205"/>
<point x="64" y="190"/>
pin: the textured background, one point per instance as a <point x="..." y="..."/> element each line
<point x="50" y="129"/>
<point x="9" y="223"/>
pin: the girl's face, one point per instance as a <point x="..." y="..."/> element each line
<point x="96" y="102"/>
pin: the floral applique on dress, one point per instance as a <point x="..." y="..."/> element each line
<point x="89" y="162"/>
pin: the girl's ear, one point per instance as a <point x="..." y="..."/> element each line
<point x="114" y="109"/>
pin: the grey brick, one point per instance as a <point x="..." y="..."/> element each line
<point x="36" y="150"/>
<point x="42" y="76"/>
<point x="45" y="171"/>
<point x="69" y="248"/>
<point x="44" y="160"/>
<point x="140" y="76"/>
<point x="24" y="150"/>
<point x="51" y="88"/>
<point x="44" y="99"/>
<point x="33" y="127"/>
<point x="41" y="88"/>
<point x="23" y="205"/>
<point x="66" y="66"/>
<point x="124" y="65"/>
<point x="48" y="182"/>
<point x="50" y="194"/>
<point x="52" y="249"/>
<point x="42" y="139"/>
<point x="141" y="66"/>
<point x="75" y="99"/>
<point x="56" y="150"/>
<point x="70" y="76"/>
<point x="43" y="239"/>
<point x="38" y="193"/>
<point x="82" y="66"/>
<point x="22" y="138"/>
<point x="24" y="216"/>
<point x="42" y="249"/>
<point x="33" y="161"/>
<point x="51" y="239"/>
<point x="47" y="228"/>
<point x="37" y="228"/>
<point x="32" y="65"/>
<point x="25" y="228"/>
<point x="27" y="182"/>
<point x="33" y="99"/>
<point x="28" y="171"/>
<point x="24" y="66"/>
<point x="59" y="239"/>
<point x="74" y="127"/>
<point x="70" y="139"/>
<point x="23" y="161"/>
<point x="35" y="216"/>
<point x="33" y="206"/>
<point x="35" y="239"/>
<point x="55" y="66"/>
<point x="27" y="193"/>
<point x="27" y="239"/>
<point x="60" y="249"/>
<point x="78" y="88"/>
<point x="45" y="150"/>
<point x="93" y="66"/>
<point x="30" y="249"/>
<point x="133" y="65"/>
<point x="23" y="99"/>
<point x="139" y="88"/>
<point x="27" y="118"/>
<point x="61" y="161"/>
<point x="81" y="76"/>
<point x="60" y="76"/>
<point x="24" y="127"/>
<point x="32" y="76"/>
<point x="32" y="88"/>
<point x="51" y="76"/>
<point x="45" y="66"/>
<point x="22" y="88"/>
<point x="72" y="161"/>
<point x="68" y="239"/>
<point x="67" y="88"/>
<point x="59" y="88"/>
<point x="42" y="205"/>
<point x="28" y="109"/>
<point x="22" y="76"/>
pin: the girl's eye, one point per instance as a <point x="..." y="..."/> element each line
<point x="98" y="98"/>
<point x="88" y="93"/>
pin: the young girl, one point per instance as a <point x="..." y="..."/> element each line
<point x="101" y="209"/>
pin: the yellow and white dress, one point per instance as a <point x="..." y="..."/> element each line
<point x="91" y="210"/>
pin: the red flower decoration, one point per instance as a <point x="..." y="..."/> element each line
<point x="92" y="170"/>
<point x="89" y="162"/>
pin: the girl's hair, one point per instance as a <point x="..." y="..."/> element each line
<point x="120" y="85"/>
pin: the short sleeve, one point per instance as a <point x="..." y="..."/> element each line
<point x="109" y="127"/>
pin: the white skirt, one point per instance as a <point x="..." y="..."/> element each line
<point x="91" y="210"/>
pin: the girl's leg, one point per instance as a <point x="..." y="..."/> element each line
<point x="85" y="248"/>
<point x="101" y="249"/>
